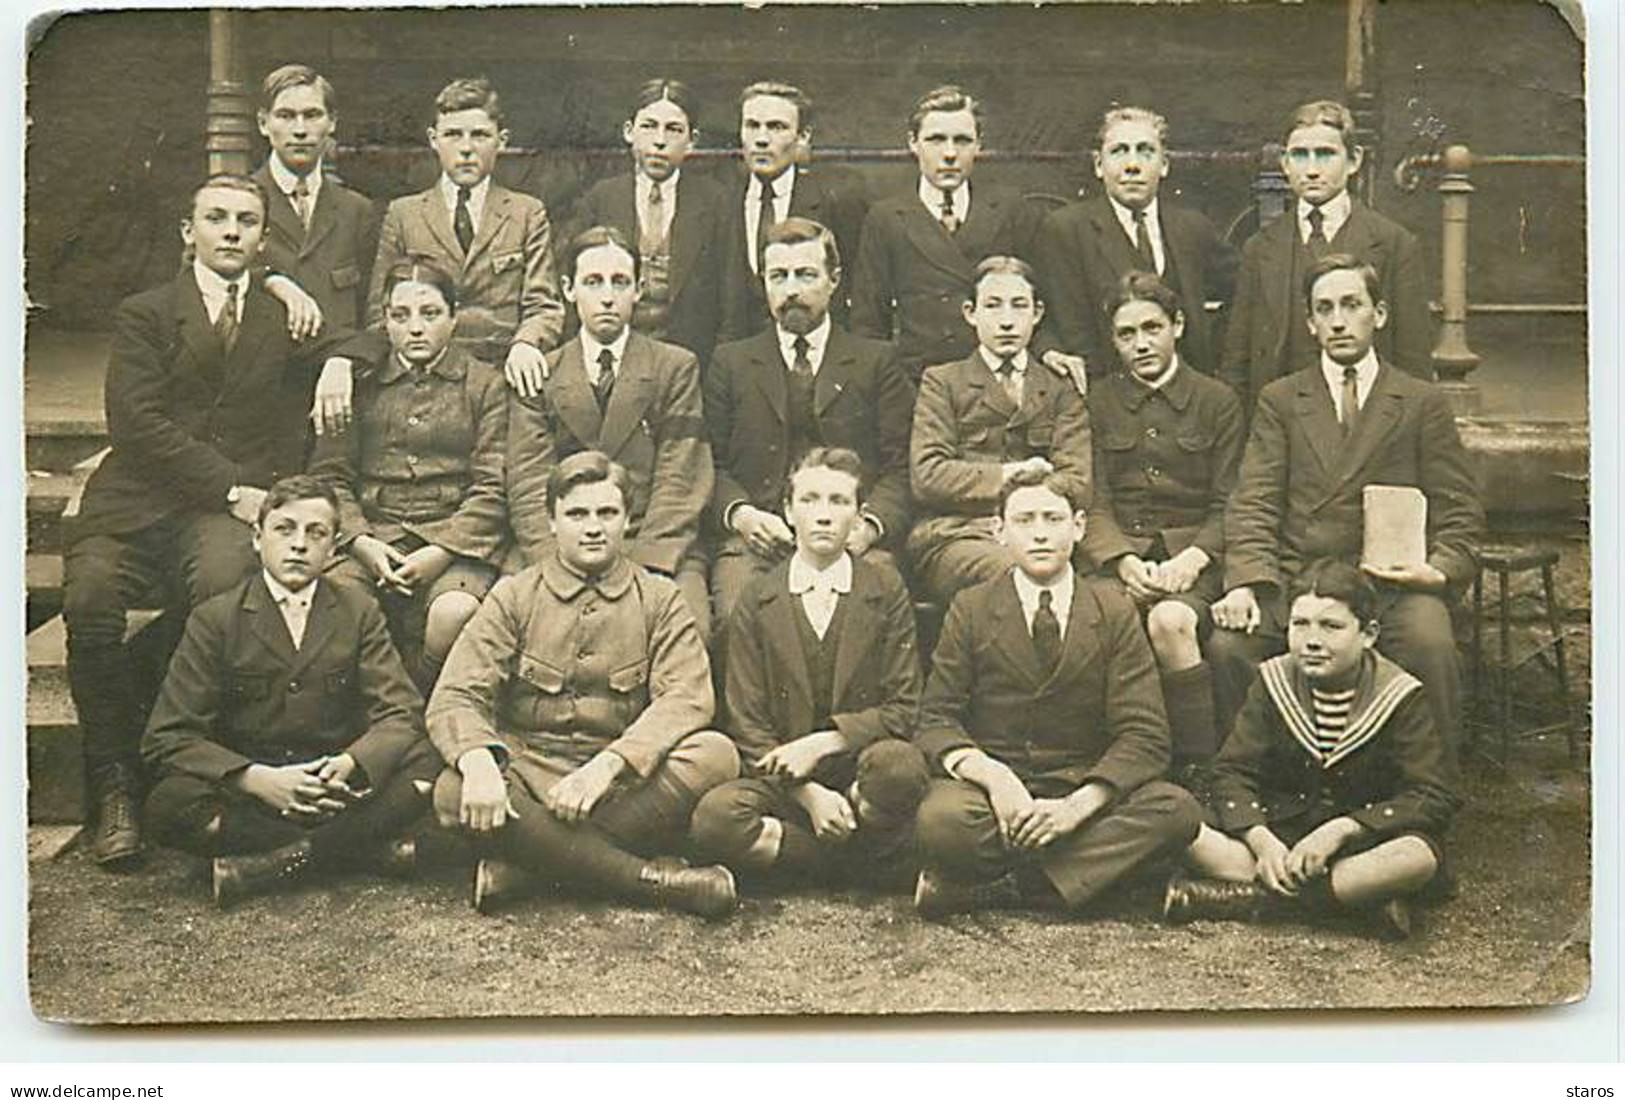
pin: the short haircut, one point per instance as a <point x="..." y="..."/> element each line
<point x="1142" y="286"/>
<point x="674" y="91"/>
<point x="229" y="181"/>
<point x="804" y="105"/>
<point x="280" y="80"/>
<point x="586" y="468"/>
<point x="949" y="97"/>
<point x="1062" y="485"/>
<point x="892" y="777"/>
<point x="298" y="487"/>
<point x="422" y="271"/>
<point x="794" y="230"/>
<point x="841" y="459"/>
<point x="1322" y="112"/>
<point x="469" y="93"/>
<point x="1002" y="265"/>
<point x="1132" y="114"/>
<point x="598" y="236"/>
<point x="1340" y="261"/>
<point x="1332" y="579"/>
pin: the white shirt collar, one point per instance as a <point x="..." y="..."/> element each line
<point x="1162" y="379"/>
<point x="281" y="594"/>
<point x="1061" y="588"/>
<point x="931" y="196"/>
<point x="591" y="351"/>
<point x="212" y="285"/>
<point x="783" y="186"/>
<point x="992" y="360"/>
<point x="1365" y="377"/>
<point x="1334" y="212"/>
<point x="804" y="577"/>
<point x="287" y="180"/>
<point x="817" y="340"/>
<point x="668" y="188"/>
<point x="1125" y="217"/>
<point x="476" y="197"/>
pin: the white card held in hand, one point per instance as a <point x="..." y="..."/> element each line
<point x="1396" y="526"/>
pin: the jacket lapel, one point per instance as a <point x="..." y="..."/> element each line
<point x="1318" y="418"/>
<point x="1281" y="297"/>
<point x="932" y="243"/>
<point x="863" y="627"/>
<point x="784" y="638"/>
<point x="1010" y="634"/>
<point x="687" y="234"/>
<point x="257" y="325"/>
<point x="834" y="373"/>
<point x="433" y="212"/>
<point x="572" y="398"/>
<point x="266" y="620"/>
<point x="1114" y="245"/>
<point x="492" y="218"/>
<point x="631" y="397"/>
<point x="1358" y="237"/>
<point x="195" y="331"/>
<point x="623" y="207"/>
<point x="767" y="369"/>
<point x="322" y="219"/>
<point x="984" y="388"/>
<point x="1382" y="411"/>
<point x="1082" y="640"/>
<point x="1037" y="392"/>
<point x="987" y="213"/>
<point x="318" y="627"/>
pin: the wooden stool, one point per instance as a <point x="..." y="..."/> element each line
<point x="1504" y="562"/>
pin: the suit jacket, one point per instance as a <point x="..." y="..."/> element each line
<point x="912" y="277"/>
<point x="877" y="668"/>
<point x="654" y="427"/>
<point x="861" y="400"/>
<point x="831" y="196"/>
<point x="1394" y="774"/>
<point x="1299" y="495"/>
<point x="1098" y="716"/>
<point x="1081" y="254"/>
<point x="507" y="287"/>
<point x="238" y="692"/>
<point x="698" y="248"/>
<point x="332" y="259"/>
<point x="965" y="428"/>
<point x="1255" y="347"/>
<point x="187" y="421"/>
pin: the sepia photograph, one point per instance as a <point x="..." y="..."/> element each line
<point x="806" y="511"/>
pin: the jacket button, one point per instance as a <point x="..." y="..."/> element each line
<point x="293" y="687"/>
<point x="412" y="420"/>
<point x="1151" y="433"/>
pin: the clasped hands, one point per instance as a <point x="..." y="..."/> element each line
<point x="1148" y="581"/>
<point x="1286" y="870"/>
<point x="401" y="573"/>
<point x="486" y="806"/>
<point x="310" y="790"/>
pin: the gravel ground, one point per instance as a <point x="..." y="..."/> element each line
<point x="149" y="948"/>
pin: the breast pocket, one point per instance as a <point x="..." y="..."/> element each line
<point x="346" y="277"/>
<point x="504" y="262"/>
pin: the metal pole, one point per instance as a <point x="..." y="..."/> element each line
<point x="1453" y="360"/>
<point x="1271" y="192"/>
<point x="229" y="128"/>
<point x="1359" y="84"/>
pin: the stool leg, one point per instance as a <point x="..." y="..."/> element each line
<point x="1506" y="665"/>
<point x="1554" y="618"/>
<point x="1477" y="653"/>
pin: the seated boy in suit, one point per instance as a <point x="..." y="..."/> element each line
<point x="823" y="678"/>
<point x="981" y="420"/>
<point x="1044" y="713"/>
<point x="1319" y="437"/>
<point x="498" y="242"/>
<point x="288" y="738"/>
<point x="1167" y="443"/>
<point x="1335" y="788"/>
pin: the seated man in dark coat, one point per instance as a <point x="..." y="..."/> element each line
<point x="1043" y="709"/>
<point x="288" y="737"/>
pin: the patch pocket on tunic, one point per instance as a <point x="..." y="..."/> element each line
<point x="1041" y="436"/>
<point x="502" y="261"/>
<point x="1117" y="442"/>
<point x="629" y="679"/>
<point x="338" y="681"/>
<point x="1195" y="443"/>
<point x="249" y="686"/>
<point x="541" y="675"/>
<point x="346" y="277"/>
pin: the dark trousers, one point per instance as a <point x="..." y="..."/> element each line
<point x="181" y="807"/>
<point x="1415" y="633"/>
<point x="959" y="836"/>
<point x="186" y="558"/>
<point x="632" y="822"/>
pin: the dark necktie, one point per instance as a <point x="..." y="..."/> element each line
<point x="1046" y="633"/>
<point x="802" y="364"/>
<point x="652" y="237"/>
<point x="1317" y="232"/>
<point x="606" y="379"/>
<point x="949" y="219"/>
<point x="1007" y="378"/>
<point x="765" y="218"/>
<point x="463" y="224"/>
<point x="225" y="325"/>
<point x="301" y="201"/>
<point x="1142" y="243"/>
<point x="1351" y="401"/>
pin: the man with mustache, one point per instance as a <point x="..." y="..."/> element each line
<point x="803" y="383"/>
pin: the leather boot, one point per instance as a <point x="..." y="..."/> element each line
<point x="239" y="877"/>
<point x="1393" y="919"/>
<point x="937" y="895"/>
<point x="115" y="834"/>
<point x="497" y="881"/>
<point x="707" y="891"/>
<point x="1189" y="899"/>
<point x="397" y="858"/>
<point x="1192" y="726"/>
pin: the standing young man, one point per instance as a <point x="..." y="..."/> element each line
<point x="632" y="397"/>
<point x="804" y="383"/>
<point x="1319" y="437"/>
<point x="572" y="713"/>
<point x="206" y="401"/>
<point x="775" y="140"/>
<point x="499" y="243"/>
<point x="823" y="677"/>
<point x="1265" y="339"/>
<point x="1044" y="711"/>
<point x="1087" y="247"/>
<point x="287" y="738"/>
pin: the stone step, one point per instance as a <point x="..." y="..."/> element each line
<point x="60" y="443"/>
<point x="43" y="576"/>
<point x="53" y="499"/>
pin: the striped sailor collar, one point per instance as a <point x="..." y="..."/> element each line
<point x="1382" y="686"/>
